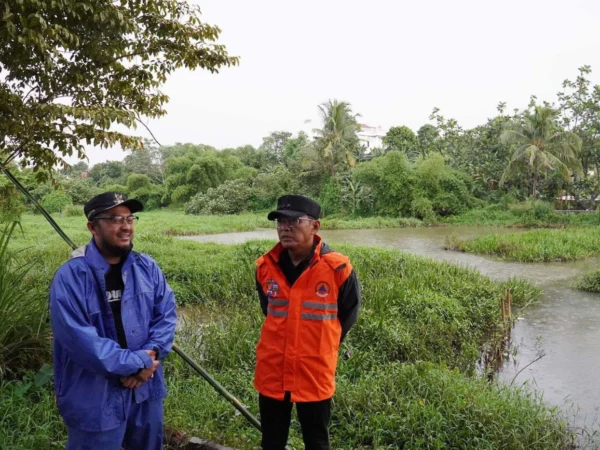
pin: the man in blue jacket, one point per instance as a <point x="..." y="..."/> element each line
<point x="113" y="318"/>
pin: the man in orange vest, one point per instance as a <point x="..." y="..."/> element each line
<point x="310" y="296"/>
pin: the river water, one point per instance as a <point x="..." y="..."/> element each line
<point x="564" y="326"/>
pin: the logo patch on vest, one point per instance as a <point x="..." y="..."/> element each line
<point x="322" y="289"/>
<point x="272" y="288"/>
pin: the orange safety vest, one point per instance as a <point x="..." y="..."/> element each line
<point x="300" y="338"/>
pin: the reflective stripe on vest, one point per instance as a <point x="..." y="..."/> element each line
<point x="276" y="313"/>
<point x="308" y="316"/>
<point x="317" y="305"/>
<point x="278" y="302"/>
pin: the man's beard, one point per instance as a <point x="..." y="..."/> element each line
<point x="114" y="251"/>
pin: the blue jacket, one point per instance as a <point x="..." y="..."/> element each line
<point x="88" y="361"/>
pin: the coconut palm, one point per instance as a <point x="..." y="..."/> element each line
<point x="336" y="141"/>
<point x="541" y="146"/>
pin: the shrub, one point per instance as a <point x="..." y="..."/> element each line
<point x="534" y="209"/>
<point x="72" y="211"/>
<point x="589" y="282"/>
<point x="232" y="197"/>
<point x="422" y="208"/>
<point x="330" y="197"/>
<point x="56" y="201"/>
<point x="81" y="189"/>
<point x="11" y="205"/>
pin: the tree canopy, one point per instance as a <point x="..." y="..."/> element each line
<point x="71" y="71"/>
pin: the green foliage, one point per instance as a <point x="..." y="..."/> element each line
<point x="110" y="172"/>
<point x="274" y="147"/>
<point x="80" y="189"/>
<point x="115" y="188"/>
<point x="486" y="156"/>
<point x="391" y="180"/>
<point x="356" y="197"/>
<point x="56" y="201"/>
<point x="30" y="419"/>
<point x="50" y="51"/>
<point x="428" y="137"/>
<point x="140" y="187"/>
<point x="427" y="189"/>
<point x="541" y="146"/>
<point x="534" y="210"/>
<point x="422" y="208"/>
<point x="23" y="312"/>
<point x="447" y="189"/>
<point x="72" y="211"/>
<point x="137" y="182"/>
<point x="267" y="187"/>
<point x="330" y="197"/>
<point x="336" y="143"/>
<point x="11" y="205"/>
<point x="148" y="161"/>
<point x="76" y="170"/>
<point x="590" y="282"/>
<point x="194" y="169"/>
<point x="231" y="197"/>
<point x="579" y="104"/>
<point x="425" y="406"/>
<point x="404" y="140"/>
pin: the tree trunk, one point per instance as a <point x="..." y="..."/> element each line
<point x="534" y="192"/>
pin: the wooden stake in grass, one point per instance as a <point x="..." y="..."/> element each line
<point x="509" y="304"/>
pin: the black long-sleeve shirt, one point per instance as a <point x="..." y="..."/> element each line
<point x="349" y="295"/>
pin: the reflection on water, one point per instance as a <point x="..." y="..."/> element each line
<point x="565" y="324"/>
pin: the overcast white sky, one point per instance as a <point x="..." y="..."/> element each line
<point x="392" y="60"/>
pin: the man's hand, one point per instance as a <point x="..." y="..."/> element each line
<point x="130" y="382"/>
<point x="148" y="373"/>
<point x="135" y="381"/>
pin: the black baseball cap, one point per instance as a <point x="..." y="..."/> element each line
<point x="295" y="206"/>
<point x="108" y="200"/>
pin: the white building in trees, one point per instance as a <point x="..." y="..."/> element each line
<point x="371" y="137"/>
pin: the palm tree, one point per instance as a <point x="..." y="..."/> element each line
<point x="336" y="141"/>
<point x="542" y="146"/>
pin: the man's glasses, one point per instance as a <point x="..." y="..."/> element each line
<point x="290" y="223"/>
<point x="119" y="220"/>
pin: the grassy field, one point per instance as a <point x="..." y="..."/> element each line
<point x="176" y="223"/>
<point x="535" y="245"/>
<point x="524" y="215"/>
<point x="407" y="376"/>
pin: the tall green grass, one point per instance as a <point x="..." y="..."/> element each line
<point x="535" y="245"/>
<point x="28" y="416"/>
<point x="534" y="214"/>
<point x="23" y="312"/>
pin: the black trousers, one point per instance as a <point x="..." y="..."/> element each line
<point x="276" y="415"/>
